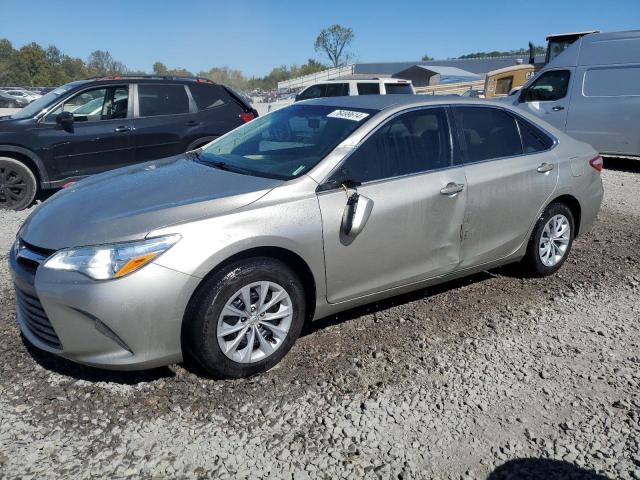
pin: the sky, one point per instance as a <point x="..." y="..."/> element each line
<point x="255" y="36"/>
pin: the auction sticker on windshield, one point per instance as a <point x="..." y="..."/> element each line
<point x="348" y="115"/>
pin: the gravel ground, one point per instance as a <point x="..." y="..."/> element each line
<point x="492" y="377"/>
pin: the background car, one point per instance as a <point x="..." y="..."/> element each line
<point x="12" y="100"/>
<point x="91" y="126"/>
<point x="363" y="86"/>
<point x="222" y="254"/>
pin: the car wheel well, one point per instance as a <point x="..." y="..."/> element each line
<point x="574" y="206"/>
<point x="30" y="164"/>
<point x="292" y="260"/>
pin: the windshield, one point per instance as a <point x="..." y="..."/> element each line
<point x="43" y="102"/>
<point x="286" y="143"/>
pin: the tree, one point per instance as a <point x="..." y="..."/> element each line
<point x="101" y="63"/>
<point x="426" y="58"/>
<point x="160" y="68"/>
<point x="34" y="66"/>
<point x="538" y="50"/>
<point x="333" y="41"/>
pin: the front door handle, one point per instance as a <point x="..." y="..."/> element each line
<point x="452" y="188"/>
<point x="122" y="128"/>
<point x="192" y="123"/>
<point x="557" y="108"/>
<point x="545" y="167"/>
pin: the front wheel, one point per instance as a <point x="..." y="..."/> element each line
<point x="245" y="318"/>
<point x="550" y="241"/>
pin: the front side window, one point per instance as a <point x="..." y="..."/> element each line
<point x="414" y="142"/>
<point x="550" y="86"/>
<point x="488" y="133"/>
<point x="106" y="103"/>
<point x="337" y="90"/>
<point x="503" y="85"/>
<point x="46" y="101"/>
<point x="286" y="143"/>
<point x="368" y="88"/>
<point x="314" y="91"/>
<point x="158" y="99"/>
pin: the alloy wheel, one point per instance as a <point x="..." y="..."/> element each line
<point x="13" y="187"/>
<point x="254" y="322"/>
<point x="554" y="240"/>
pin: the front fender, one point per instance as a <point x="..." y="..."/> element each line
<point x="42" y="172"/>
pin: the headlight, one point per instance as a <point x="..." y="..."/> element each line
<point x="104" y="262"/>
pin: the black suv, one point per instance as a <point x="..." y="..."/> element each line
<point x="90" y="126"/>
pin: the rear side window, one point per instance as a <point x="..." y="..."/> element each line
<point x="550" y="86"/>
<point x="368" y="89"/>
<point x="158" y="99"/>
<point x="488" y="133"/>
<point x="208" y="96"/>
<point x="394" y="88"/>
<point x="337" y="90"/>
<point x="413" y="142"/>
<point x="533" y="139"/>
<point x="612" y="82"/>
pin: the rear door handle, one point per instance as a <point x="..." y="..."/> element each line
<point x="557" y="108"/>
<point x="122" y="128"/>
<point x="545" y="167"/>
<point x="192" y="123"/>
<point x="452" y="188"/>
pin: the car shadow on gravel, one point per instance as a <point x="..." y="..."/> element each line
<point x="381" y="305"/>
<point x="542" y="469"/>
<point x="622" y="164"/>
<point x="71" y="369"/>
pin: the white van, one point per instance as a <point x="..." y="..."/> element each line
<point x="345" y="88"/>
<point x="592" y="92"/>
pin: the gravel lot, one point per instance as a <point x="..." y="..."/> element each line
<point x="492" y="376"/>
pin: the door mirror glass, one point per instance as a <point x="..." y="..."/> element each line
<point x="65" y="120"/>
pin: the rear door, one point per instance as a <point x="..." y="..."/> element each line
<point x="100" y="138"/>
<point x="510" y="175"/>
<point x="413" y="232"/>
<point x="548" y="97"/>
<point x="164" y="117"/>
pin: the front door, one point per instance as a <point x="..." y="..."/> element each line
<point x="510" y="176"/>
<point x="100" y="138"/>
<point x="413" y="232"/>
<point x="548" y="97"/>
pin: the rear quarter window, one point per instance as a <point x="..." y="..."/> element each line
<point x="208" y="96"/>
<point x="612" y="82"/>
<point x="395" y="88"/>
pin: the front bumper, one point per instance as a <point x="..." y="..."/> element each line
<point x="129" y="323"/>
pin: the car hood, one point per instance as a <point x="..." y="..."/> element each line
<point x="128" y="203"/>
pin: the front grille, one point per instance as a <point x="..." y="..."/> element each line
<point x="35" y="319"/>
<point x="31" y="256"/>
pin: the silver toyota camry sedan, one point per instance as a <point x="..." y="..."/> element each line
<point x="223" y="253"/>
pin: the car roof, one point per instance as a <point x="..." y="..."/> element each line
<point x="382" y="102"/>
<point x="367" y="79"/>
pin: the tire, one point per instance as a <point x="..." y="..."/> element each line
<point x="540" y="260"/>
<point x="18" y="185"/>
<point x="210" y="310"/>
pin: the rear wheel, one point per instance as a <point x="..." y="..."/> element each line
<point x="18" y="185"/>
<point x="550" y="241"/>
<point x="245" y="318"/>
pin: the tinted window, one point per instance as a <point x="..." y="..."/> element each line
<point x="286" y="143"/>
<point x="158" y="99"/>
<point x="105" y="103"/>
<point x="533" y="139"/>
<point x="488" y="133"/>
<point x="208" y="96"/>
<point x="337" y="90"/>
<point x="393" y="88"/>
<point x="550" y="86"/>
<point x="314" y="91"/>
<point x="503" y="86"/>
<point x="414" y="142"/>
<point x="612" y="82"/>
<point x="368" y="89"/>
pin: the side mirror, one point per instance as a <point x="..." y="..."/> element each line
<point x="296" y="98"/>
<point x="356" y="213"/>
<point x="65" y="120"/>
